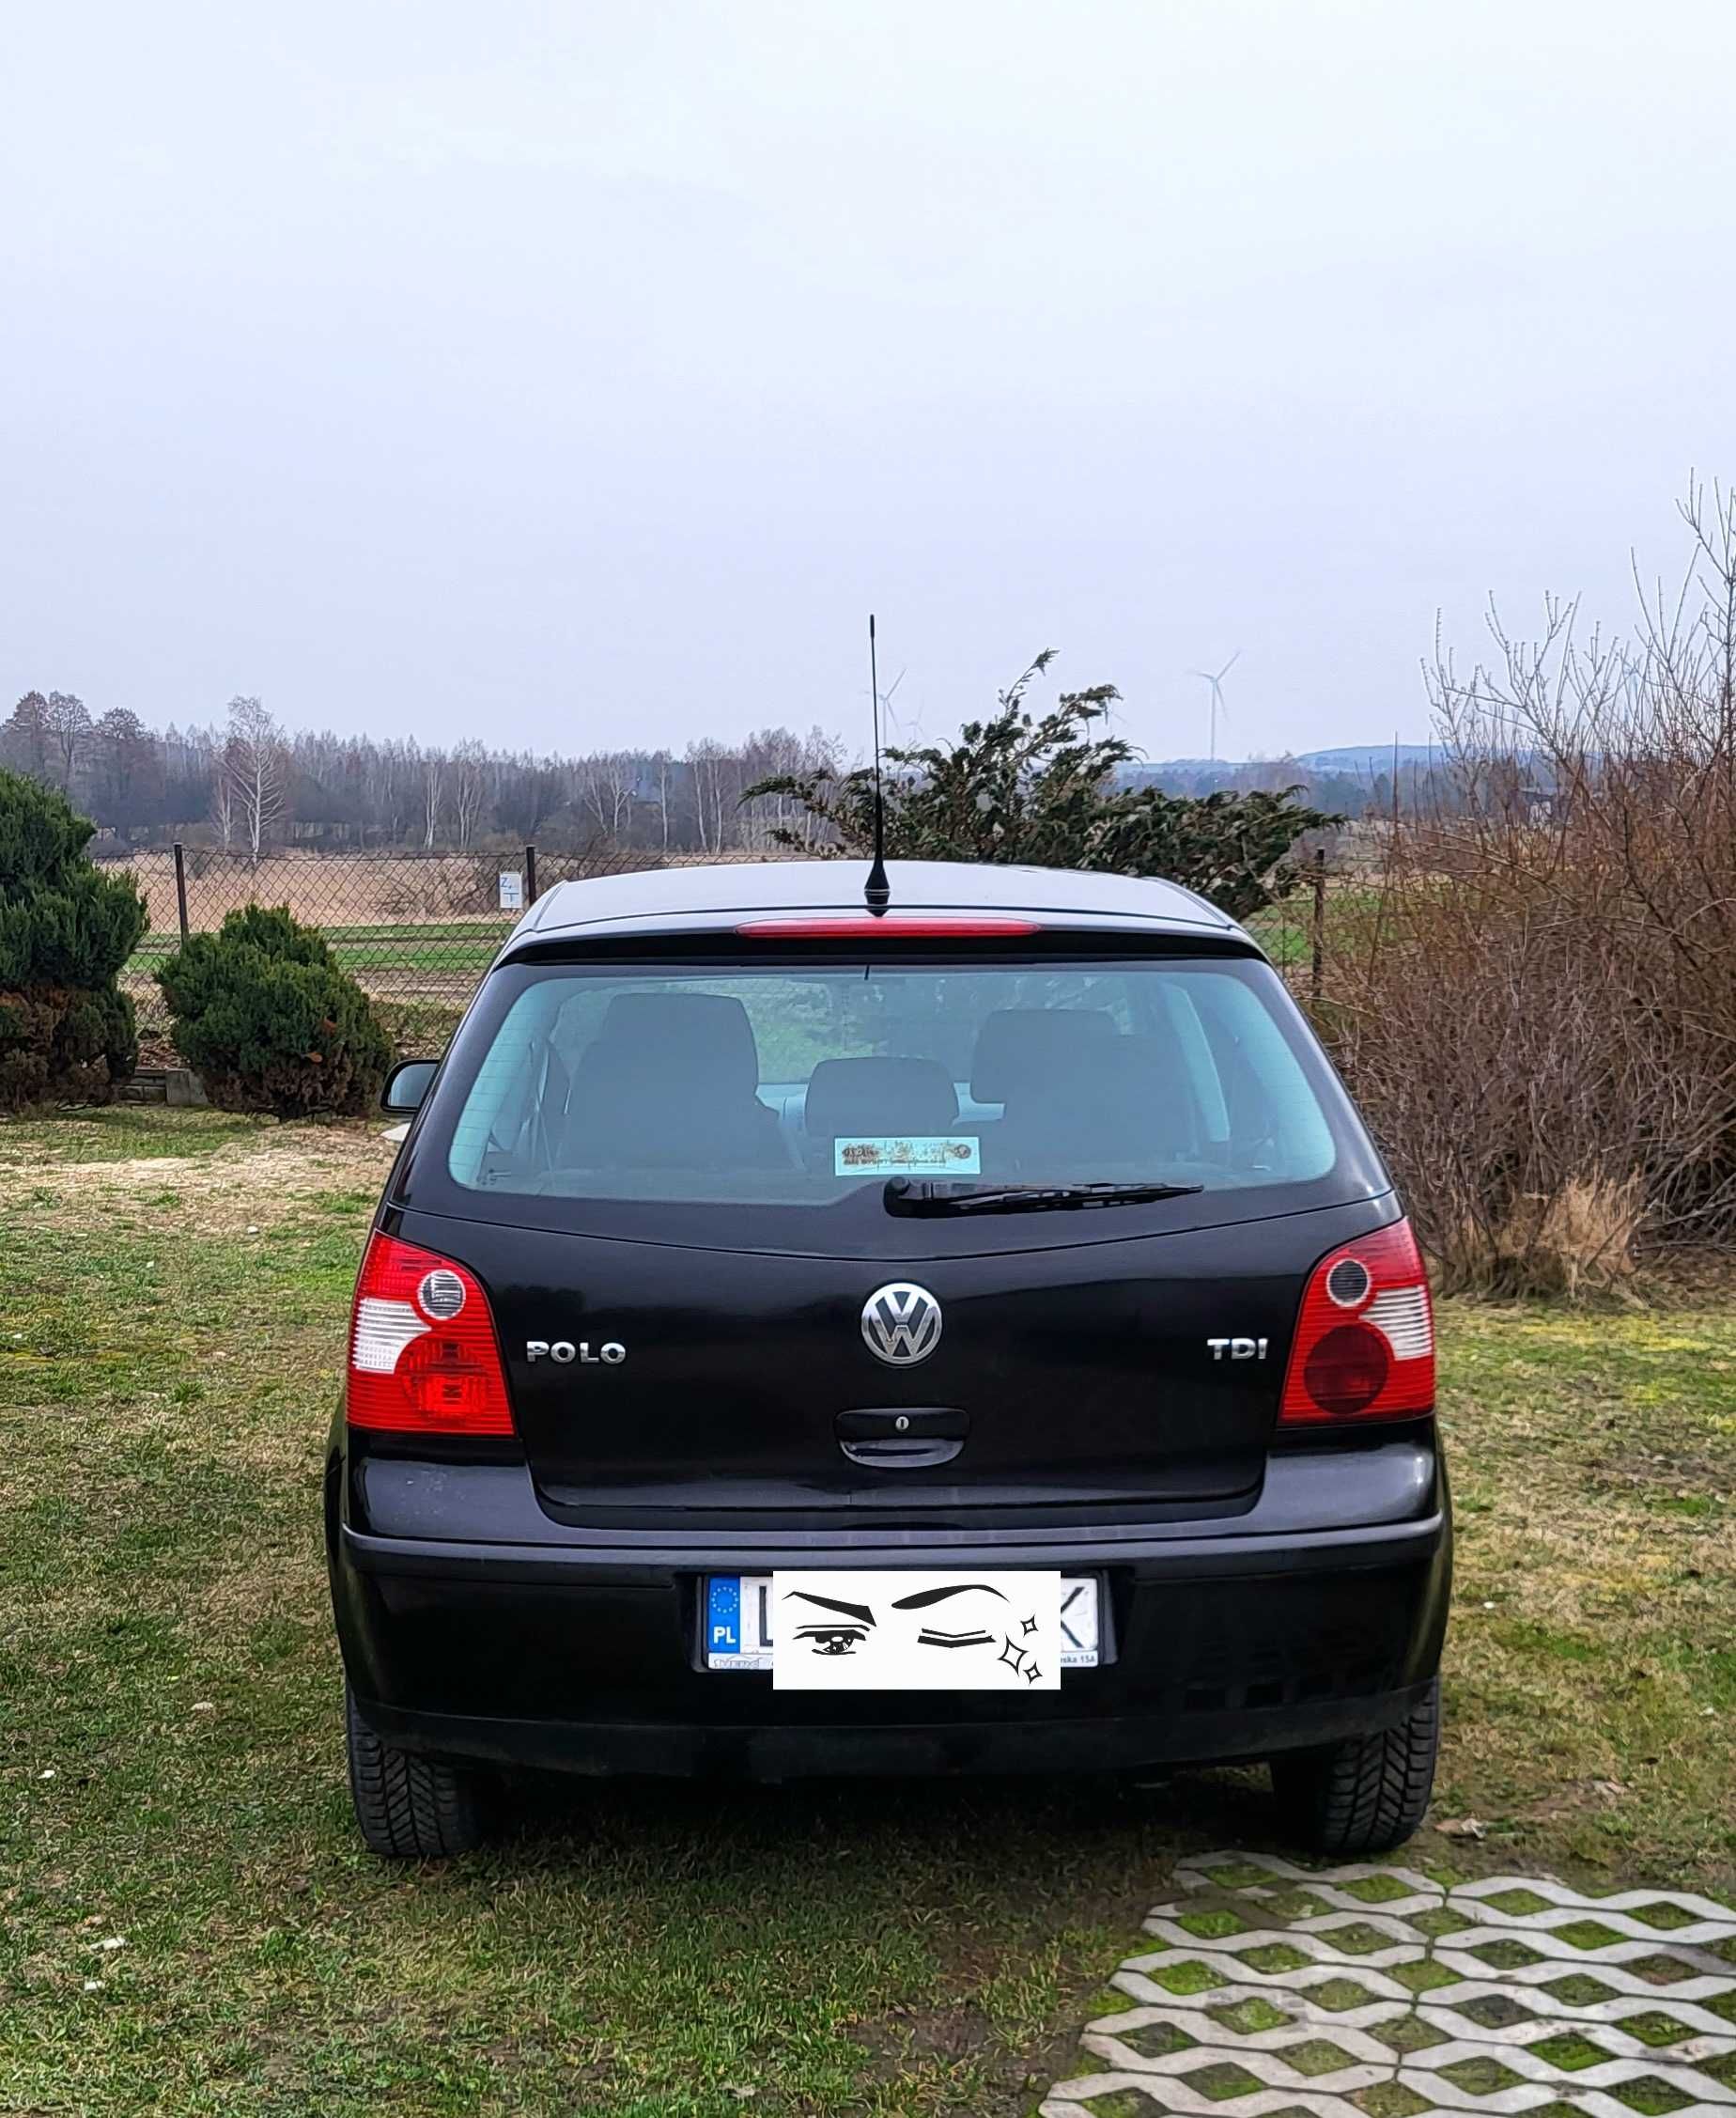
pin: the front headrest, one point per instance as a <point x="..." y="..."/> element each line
<point x="1016" y="1043"/>
<point x="876" y="1097"/>
<point x="691" y="1034"/>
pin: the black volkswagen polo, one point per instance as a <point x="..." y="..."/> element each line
<point x="974" y="1336"/>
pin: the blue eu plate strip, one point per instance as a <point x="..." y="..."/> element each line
<point x="724" y="1615"/>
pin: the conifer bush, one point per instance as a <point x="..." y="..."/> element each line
<point x="66" y="930"/>
<point x="270" y="1022"/>
<point x="1042" y="790"/>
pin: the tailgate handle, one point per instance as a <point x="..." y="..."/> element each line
<point x="903" y="1437"/>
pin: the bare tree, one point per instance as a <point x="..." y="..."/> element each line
<point x="470" y="790"/>
<point x="223" y="806"/>
<point x="385" y="776"/>
<point x="663" y="764"/>
<point x="605" y="788"/>
<point x="67" y="726"/>
<point x="769" y="821"/>
<point x="433" y="790"/>
<point x="255" y="767"/>
<point x="127" y="782"/>
<point x="24" y="738"/>
<point x="717" y="782"/>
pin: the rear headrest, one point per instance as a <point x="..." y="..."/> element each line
<point x="1016" y="1042"/>
<point x="701" y="1035"/>
<point x="1121" y="1102"/>
<point x="877" y="1097"/>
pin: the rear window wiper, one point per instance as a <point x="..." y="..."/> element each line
<point x="918" y="1195"/>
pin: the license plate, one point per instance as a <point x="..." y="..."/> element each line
<point x="873" y="1630"/>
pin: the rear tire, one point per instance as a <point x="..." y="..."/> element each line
<point x="1368" y="1794"/>
<point x="409" y="1807"/>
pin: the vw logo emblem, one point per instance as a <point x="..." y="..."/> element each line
<point x="901" y="1323"/>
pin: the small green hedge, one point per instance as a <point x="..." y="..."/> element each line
<point x="264" y="1016"/>
<point x="65" y="928"/>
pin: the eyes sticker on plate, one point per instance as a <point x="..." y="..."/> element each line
<point x="919" y="1154"/>
<point x="880" y="1631"/>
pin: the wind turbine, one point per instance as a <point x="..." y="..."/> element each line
<point x="1217" y="682"/>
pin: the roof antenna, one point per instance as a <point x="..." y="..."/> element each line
<point x="877" y="889"/>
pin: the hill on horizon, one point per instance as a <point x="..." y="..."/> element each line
<point x="1342" y="758"/>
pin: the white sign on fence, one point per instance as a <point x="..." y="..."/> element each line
<point x="512" y="891"/>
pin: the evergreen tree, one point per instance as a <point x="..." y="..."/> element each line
<point x="264" y="1013"/>
<point x="66" y="930"/>
<point x="1042" y="790"/>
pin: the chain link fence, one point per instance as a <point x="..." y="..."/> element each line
<point x="1306" y="932"/>
<point x="417" y="930"/>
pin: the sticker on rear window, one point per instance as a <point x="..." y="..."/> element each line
<point x="924" y="1155"/>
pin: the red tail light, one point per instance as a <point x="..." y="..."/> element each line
<point x="1365" y="1341"/>
<point x="423" y="1355"/>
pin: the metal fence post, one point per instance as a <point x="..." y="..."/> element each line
<point x="1318" y="967"/>
<point x="181" y="886"/>
<point x="530" y="875"/>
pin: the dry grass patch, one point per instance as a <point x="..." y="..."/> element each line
<point x="230" y="1175"/>
<point x="1578" y="1241"/>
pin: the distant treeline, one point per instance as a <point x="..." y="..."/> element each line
<point x="250" y="784"/>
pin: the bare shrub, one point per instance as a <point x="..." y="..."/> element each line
<point x="1537" y="1004"/>
<point x="452" y="886"/>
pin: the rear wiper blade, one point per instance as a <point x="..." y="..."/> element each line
<point x="915" y="1196"/>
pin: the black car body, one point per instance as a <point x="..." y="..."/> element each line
<point x="611" y="1347"/>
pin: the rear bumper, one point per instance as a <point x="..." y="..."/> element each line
<point x="1232" y="1640"/>
<point x="1074" y="1743"/>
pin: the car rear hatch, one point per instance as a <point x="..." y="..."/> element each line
<point x="802" y="1232"/>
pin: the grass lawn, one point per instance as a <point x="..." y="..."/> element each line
<point x="172" y="1289"/>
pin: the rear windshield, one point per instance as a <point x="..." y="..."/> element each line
<point x="798" y="1084"/>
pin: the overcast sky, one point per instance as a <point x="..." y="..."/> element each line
<point x="581" y="375"/>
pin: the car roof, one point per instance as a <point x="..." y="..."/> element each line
<point x="718" y="894"/>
